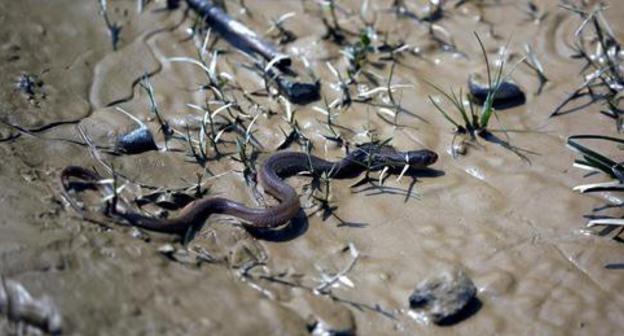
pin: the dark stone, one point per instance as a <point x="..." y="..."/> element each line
<point x="445" y="300"/>
<point x="508" y="94"/>
<point x="299" y="92"/>
<point x="138" y="141"/>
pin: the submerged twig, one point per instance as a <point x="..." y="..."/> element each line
<point x="236" y="33"/>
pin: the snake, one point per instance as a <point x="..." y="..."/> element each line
<point x="278" y="166"/>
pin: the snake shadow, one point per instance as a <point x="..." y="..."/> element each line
<point x="296" y="227"/>
<point x="372" y="187"/>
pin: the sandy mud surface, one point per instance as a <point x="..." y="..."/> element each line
<point x="508" y="219"/>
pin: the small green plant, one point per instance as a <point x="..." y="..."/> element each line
<point x="470" y="121"/>
<point x="357" y="53"/>
<point x="473" y="123"/>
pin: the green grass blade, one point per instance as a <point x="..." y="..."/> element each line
<point x="487" y="61"/>
<point x="596" y="159"/>
<point x="457" y="101"/>
<point x="446" y="116"/>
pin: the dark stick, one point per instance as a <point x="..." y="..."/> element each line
<point x="236" y="33"/>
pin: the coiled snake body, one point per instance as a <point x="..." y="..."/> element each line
<point x="276" y="167"/>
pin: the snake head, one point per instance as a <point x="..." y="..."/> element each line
<point x="378" y="156"/>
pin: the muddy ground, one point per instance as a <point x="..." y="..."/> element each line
<point x="514" y="225"/>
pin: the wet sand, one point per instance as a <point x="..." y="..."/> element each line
<point x="515" y="227"/>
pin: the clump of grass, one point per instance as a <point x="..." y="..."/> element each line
<point x="210" y="131"/>
<point x="345" y="99"/>
<point x="389" y="106"/>
<point x="164" y="125"/>
<point x="199" y="156"/>
<point x="357" y="53"/>
<point x="207" y="61"/>
<point x="247" y="155"/>
<point x="595" y="162"/>
<point x="603" y="72"/>
<point x="296" y="134"/>
<point x="472" y="122"/>
<point x="393" y="106"/>
<point x="334" y="135"/>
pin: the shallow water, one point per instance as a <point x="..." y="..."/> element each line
<point x="514" y="226"/>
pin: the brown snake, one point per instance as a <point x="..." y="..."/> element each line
<point x="276" y="167"/>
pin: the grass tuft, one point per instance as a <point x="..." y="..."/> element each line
<point x="596" y="162"/>
<point x="470" y="121"/>
<point x="603" y="73"/>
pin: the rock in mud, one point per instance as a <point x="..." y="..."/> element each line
<point x="20" y="306"/>
<point x="441" y="299"/>
<point x="138" y="141"/>
<point x="508" y="94"/>
<point x="299" y="92"/>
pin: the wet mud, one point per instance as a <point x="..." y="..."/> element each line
<point x="349" y="262"/>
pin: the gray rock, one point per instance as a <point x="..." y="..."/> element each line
<point x="440" y="299"/>
<point x="19" y="305"/>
